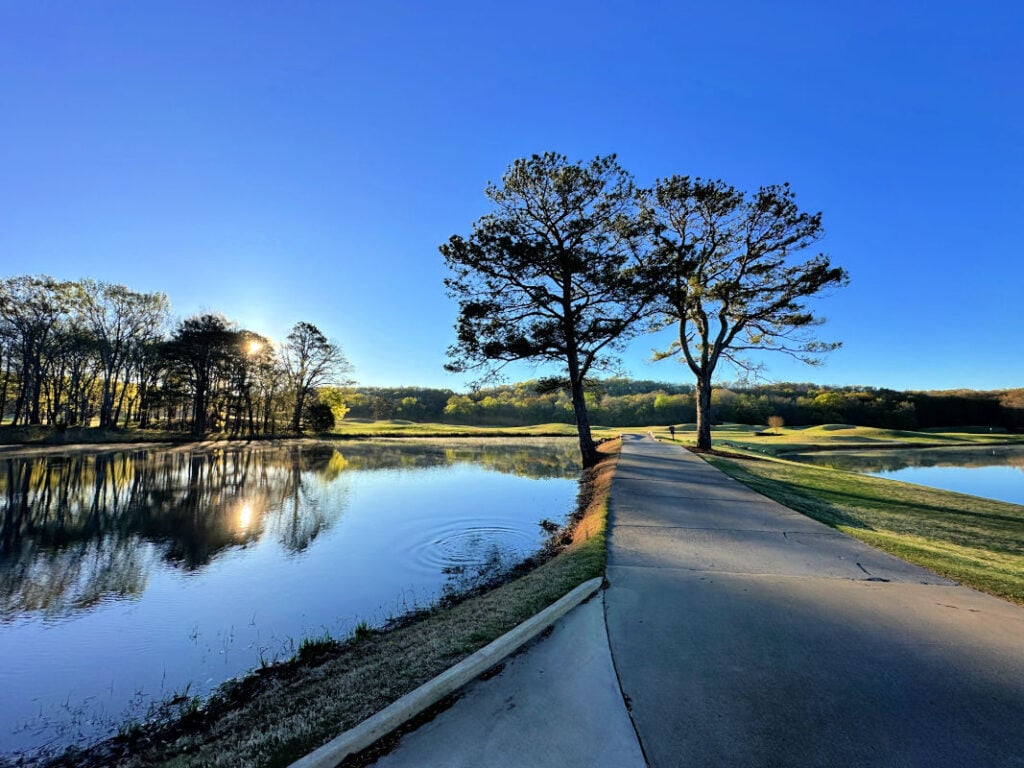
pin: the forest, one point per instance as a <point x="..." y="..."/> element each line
<point x="86" y="353"/>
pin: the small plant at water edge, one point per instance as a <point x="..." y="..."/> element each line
<point x="362" y="632"/>
<point x="311" y="648"/>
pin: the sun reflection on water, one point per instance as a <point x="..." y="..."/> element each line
<point x="245" y="516"/>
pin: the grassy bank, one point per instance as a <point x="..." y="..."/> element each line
<point x="975" y="541"/>
<point x="347" y="429"/>
<point x="279" y="714"/>
<point x="830" y="437"/>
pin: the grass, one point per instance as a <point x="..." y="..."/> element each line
<point x="348" y="428"/>
<point x="276" y="715"/>
<point x="402" y="428"/>
<point x="978" y="542"/>
<point x="85" y="435"/>
<point x="745" y="438"/>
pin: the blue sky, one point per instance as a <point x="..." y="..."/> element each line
<point x="292" y="161"/>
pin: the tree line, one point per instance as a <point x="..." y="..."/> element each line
<point x="78" y="353"/>
<point x="621" y="402"/>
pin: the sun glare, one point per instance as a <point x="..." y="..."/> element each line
<point x="253" y="347"/>
<point x="245" y="517"/>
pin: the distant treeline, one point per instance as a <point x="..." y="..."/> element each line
<point x="625" y="402"/>
<point x="87" y="353"/>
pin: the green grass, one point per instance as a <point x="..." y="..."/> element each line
<point x="978" y="542"/>
<point x="85" y="435"/>
<point x="744" y="438"/>
<point x="402" y="428"/>
<point x="348" y="428"/>
<point x="281" y="713"/>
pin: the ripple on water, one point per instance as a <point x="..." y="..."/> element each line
<point x="464" y="544"/>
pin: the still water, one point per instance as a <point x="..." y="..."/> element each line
<point x="130" y="577"/>
<point x="994" y="472"/>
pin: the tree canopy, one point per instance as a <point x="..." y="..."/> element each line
<point x="78" y="352"/>
<point x="549" y="276"/>
<point x="724" y="271"/>
<point x="311" y="361"/>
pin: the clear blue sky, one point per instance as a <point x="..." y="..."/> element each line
<point x="287" y="161"/>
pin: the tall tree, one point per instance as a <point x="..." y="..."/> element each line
<point x="548" y="276"/>
<point x="311" y="361"/>
<point x="726" y="275"/>
<point x="251" y="357"/>
<point x="199" y="351"/>
<point x="122" y="321"/>
<point x="31" y="308"/>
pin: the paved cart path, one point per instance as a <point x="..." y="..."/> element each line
<point x="745" y="634"/>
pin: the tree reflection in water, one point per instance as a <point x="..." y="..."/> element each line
<point x="896" y="459"/>
<point x="129" y="576"/>
<point x="78" y="529"/>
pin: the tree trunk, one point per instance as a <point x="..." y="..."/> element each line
<point x="116" y="414"/>
<point x="3" y="392"/>
<point x="703" y="413"/>
<point x="199" y="413"/>
<point x="35" y="399"/>
<point x="297" y="414"/>
<point x="106" y="401"/>
<point x="588" y="450"/>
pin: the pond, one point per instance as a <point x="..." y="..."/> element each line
<point x="133" y="576"/>
<point x="994" y="472"/>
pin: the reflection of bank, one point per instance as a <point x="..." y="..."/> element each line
<point x="73" y="527"/>
<point x="993" y="472"/>
<point x="80" y="528"/>
<point x="869" y="462"/>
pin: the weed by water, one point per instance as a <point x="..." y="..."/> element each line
<point x="313" y="648"/>
<point x="362" y="632"/>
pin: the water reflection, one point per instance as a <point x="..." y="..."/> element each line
<point x="79" y="529"/>
<point x="126" y="576"/>
<point x="994" y="472"/>
<point x="895" y="460"/>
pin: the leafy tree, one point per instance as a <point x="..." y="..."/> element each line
<point x="459" y="407"/>
<point x="122" y="320"/>
<point x="381" y="408"/>
<point x="31" y="309"/>
<point x="247" y="362"/>
<point x="311" y="361"/>
<point x="319" y="417"/>
<point x="547" y="277"/>
<point x="199" y="350"/>
<point x="724" y="270"/>
<point x="336" y="399"/>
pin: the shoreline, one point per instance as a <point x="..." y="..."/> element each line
<point x="340" y="682"/>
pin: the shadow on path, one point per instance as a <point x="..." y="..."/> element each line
<point x="745" y="634"/>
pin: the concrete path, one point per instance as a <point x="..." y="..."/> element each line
<point x="745" y="634"/>
<point x="557" y="703"/>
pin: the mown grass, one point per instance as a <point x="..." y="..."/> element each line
<point x="401" y="428"/>
<point x="978" y="542"/>
<point x="274" y="717"/>
<point x="769" y="442"/>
